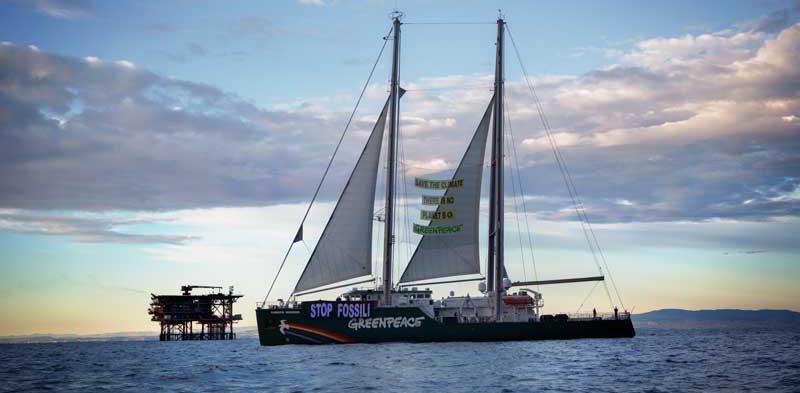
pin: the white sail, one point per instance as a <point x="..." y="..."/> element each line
<point x="457" y="253"/>
<point x="344" y="251"/>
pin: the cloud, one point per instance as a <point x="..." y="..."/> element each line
<point x="317" y="3"/>
<point x="776" y="21"/>
<point x="255" y="26"/>
<point x="355" y="61"/>
<point x="685" y="128"/>
<point x="196" y="49"/>
<point x="420" y="168"/>
<point x="83" y="134"/>
<point x="83" y="228"/>
<point x="63" y="9"/>
<point x="125" y="63"/>
<point x="157" y="27"/>
<point x="688" y="128"/>
<point x="190" y="51"/>
<point x="746" y="252"/>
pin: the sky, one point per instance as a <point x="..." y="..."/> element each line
<point x="148" y="145"/>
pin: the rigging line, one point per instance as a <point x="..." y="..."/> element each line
<point x="516" y="206"/>
<point x="449" y="23"/>
<point x="579" y="206"/>
<point x="449" y="88"/>
<point x="406" y="218"/>
<point x="569" y="176"/>
<point x="395" y="179"/>
<point x="380" y="185"/>
<point x="576" y="201"/>
<point x="521" y="191"/>
<point x="335" y="150"/>
<point x="587" y="296"/>
<point x="409" y="222"/>
<point x="435" y="170"/>
<point x="560" y="161"/>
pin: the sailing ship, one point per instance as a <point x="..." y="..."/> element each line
<point x="398" y="311"/>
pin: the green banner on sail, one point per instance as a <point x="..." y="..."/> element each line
<point x="437" y="230"/>
<point x="438" y="184"/>
<point x="436" y="215"/>
<point x="438" y="200"/>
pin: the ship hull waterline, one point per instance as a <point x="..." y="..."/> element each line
<point x="279" y="326"/>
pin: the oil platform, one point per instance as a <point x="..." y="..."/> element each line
<point x="195" y="317"/>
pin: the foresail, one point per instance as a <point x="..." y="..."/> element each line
<point x="344" y="251"/>
<point x="457" y="252"/>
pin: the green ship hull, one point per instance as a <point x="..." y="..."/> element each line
<point x="367" y="323"/>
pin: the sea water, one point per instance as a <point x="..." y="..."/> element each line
<point x="656" y="360"/>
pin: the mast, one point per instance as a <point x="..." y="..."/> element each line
<point x="388" y="240"/>
<point x="492" y="207"/>
<point x="497" y="166"/>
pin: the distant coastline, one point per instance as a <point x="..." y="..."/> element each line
<point x="53" y="338"/>
<point x="670" y="318"/>
<point x="722" y="318"/>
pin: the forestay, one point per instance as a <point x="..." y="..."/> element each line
<point x="456" y="253"/>
<point x="344" y="251"/>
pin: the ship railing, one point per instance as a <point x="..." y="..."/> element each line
<point x="276" y="304"/>
<point x="599" y="316"/>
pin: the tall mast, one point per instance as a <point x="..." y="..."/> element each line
<point x="388" y="240"/>
<point x="497" y="153"/>
<point x="492" y="207"/>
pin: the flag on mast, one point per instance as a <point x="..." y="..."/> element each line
<point x="299" y="236"/>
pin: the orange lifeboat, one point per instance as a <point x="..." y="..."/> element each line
<point x="517" y="299"/>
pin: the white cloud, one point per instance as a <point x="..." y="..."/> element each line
<point x="419" y="168"/>
<point x="82" y="227"/>
<point x="698" y="52"/>
<point x="63" y="9"/>
<point x="624" y="202"/>
<point x="685" y="127"/>
<point x="317" y="3"/>
<point x="125" y="63"/>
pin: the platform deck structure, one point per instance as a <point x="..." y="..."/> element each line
<point x="188" y="316"/>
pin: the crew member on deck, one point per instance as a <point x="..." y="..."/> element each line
<point x="615" y="313"/>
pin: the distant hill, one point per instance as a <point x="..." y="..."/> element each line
<point x="672" y="317"/>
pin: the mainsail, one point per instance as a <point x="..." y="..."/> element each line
<point x="344" y="251"/>
<point x="455" y="254"/>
